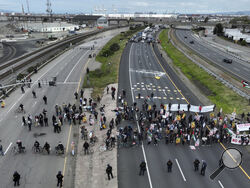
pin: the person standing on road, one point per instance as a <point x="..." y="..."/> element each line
<point x="86" y="148"/>
<point x="76" y="95"/>
<point x="169" y="164"/>
<point x="1" y="149"/>
<point x="196" y="164"/>
<point x="82" y="92"/>
<point x="203" y="167"/>
<point x="34" y="94"/>
<point x="142" y="168"/>
<point x="109" y="171"/>
<point x="16" y="178"/>
<point x="59" y="177"/>
<point x="45" y="99"/>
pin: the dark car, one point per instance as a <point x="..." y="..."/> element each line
<point x="191" y="42"/>
<point x="226" y="60"/>
<point x="185" y="37"/>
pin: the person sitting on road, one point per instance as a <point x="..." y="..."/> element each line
<point x="61" y="147"/>
<point x="37" y="146"/>
<point x="47" y="147"/>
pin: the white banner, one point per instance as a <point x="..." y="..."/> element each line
<point x="205" y="109"/>
<point x="194" y="108"/>
<point x="236" y="139"/>
<point x="184" y="107"/>
<point x="174" y="107"/>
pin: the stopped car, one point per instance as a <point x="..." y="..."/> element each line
<point x="226" y="60"/>
<point x="191" y="42"/>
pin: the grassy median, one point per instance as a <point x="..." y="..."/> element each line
<point x="218" y="94"/>
<point x="109" y="70"/>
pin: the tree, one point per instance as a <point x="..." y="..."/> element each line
<point x="206" y="20"/>
<point x="218" y="29"/>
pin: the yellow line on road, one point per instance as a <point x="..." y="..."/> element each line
<point x="189" y="103"/>
<point x="168" y="76"/>
<point x="67" y="147"/>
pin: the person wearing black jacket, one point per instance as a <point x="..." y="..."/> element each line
<point x="142" y="168"/>
<point x="109" y="171"/>
<point x="16" y="178"/>
<point x="169" y="164"/>
<point x="59" y="177"/>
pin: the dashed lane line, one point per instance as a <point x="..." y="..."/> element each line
<point x="180" y="170"/>
<point x="142" y="146"/>
<point x="7" y="148"/>
<point x="220" y="184"/>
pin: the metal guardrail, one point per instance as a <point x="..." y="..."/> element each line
<point x="18" y="63"/>
<point x="223" y="81"/>
<point x="43" y="51"/>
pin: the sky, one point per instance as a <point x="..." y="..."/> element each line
<point x="128" y="6"/>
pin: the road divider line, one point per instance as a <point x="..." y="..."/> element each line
<point x="189" y="103"/>
<point x="180" y="170"/>
<point x="75" y="66"/>
<point x="139" y="130"/>
<point x="7" y="148"/>
<point x="220" y="184"/>
<point x="168" y="75"/>
<point x="67" y="147"/>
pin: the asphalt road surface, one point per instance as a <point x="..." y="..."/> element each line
<point x="142" y="66"/>
<point x="238" y="68"/>
<point x="38" y="170"/>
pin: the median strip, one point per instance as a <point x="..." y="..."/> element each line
<point x="216" y="92"/>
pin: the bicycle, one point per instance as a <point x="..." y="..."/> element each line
<point x="19" y="110"/>
<point x="93" y="140"/>
<point x="37" y="150"/>
<point x="15" y="150"/>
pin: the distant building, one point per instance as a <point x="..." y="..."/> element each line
<point x="236" y="35"/>
<point x="89" y="20"/>
<point x="48" y="27"/>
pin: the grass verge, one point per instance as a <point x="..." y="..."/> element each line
<point x="216" y="92"/>
<point x="108" y="72"/>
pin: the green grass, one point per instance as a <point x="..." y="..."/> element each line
<point x="216" y="92"/>
<point x="109" y="70"/>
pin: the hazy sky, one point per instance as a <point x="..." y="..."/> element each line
<point x="131" y="6"/>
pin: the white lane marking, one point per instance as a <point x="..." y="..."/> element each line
<point x="180" y="170"/>
<point x="132" y="93"/>
<point x="220" y="184"/>
<point x="75" y="66"/>
<point x="7" y="148"/>
<point x="164" y="92"/>
<point x="34" y="84"/>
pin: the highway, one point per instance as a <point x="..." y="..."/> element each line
<point x="239" y="69"/>
<point x="39" y="170"/>
<point x="143" y="64"/>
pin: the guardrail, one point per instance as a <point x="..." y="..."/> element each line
<point x="26" y="59"/>
<point x="223" y="81"/>
<point x="14" y="65"/>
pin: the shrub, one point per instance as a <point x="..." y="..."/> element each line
<point x="114" y="47"/>
<point x="30" y="69"/>
<point x="20" y="76"/>
<point x="107" y="53"/>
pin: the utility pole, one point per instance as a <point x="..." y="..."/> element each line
<point x="22" y="9"/>
<point x="49" y="10"/>
<point x="28" y="7"/>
